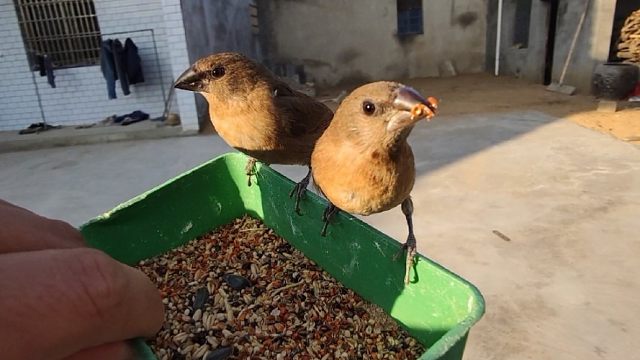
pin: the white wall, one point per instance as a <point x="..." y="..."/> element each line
<point x="356" y="40"/>
<point x="179" y="61"/>
<point x="592" y="46"/>
<point x="80" y="95"/>
<point x="593" y="43"/>
<point x="18" y="104"/>
<point x="522" y="62"/>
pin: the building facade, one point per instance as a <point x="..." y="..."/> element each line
<point x="334" y="42"/>
<point x="362" y="40"/>
<point x="537" y="34"/>
<point x="80" y="95"/>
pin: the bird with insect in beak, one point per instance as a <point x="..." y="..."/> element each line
<point x="258" y="114"/>
<point x="362" y="163"/>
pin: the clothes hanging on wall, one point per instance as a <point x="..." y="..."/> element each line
<point x="46" y="68"/>
<point x="134" y="65"/>
<point x="108" y="67"/>
<point x="122" y="63"/>
<point x="119" y="58"/>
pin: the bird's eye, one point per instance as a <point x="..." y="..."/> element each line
<point x="218" y="71"/>
<point x="368" y="107"/>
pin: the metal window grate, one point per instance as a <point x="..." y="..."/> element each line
<point x="66" y="30"/>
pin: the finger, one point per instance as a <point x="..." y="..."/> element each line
<point x="120" y="350"/>
<point x="71" y="300"/>
<point x="23" y="230"/>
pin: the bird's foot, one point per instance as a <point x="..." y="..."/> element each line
<point x="410" y="247"/>
<point x="299" y="190"/>
<point x="250" y="170"/>
<point x="326" y="218"/>
<point x="323" y="232"/>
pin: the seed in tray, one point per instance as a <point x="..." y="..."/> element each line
<point x="220" y="354"/>
<point x="291" y="309"/>
<point x="200" y="299"/>
<point x="236" y="282"/>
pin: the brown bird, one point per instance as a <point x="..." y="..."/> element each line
<point x="362" y="163"/>
<point x="256" y="113"/>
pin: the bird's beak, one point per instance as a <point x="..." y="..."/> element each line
<point x="189" y="80"/>
<point x="413" y="107"/>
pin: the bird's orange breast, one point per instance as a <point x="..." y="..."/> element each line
<point x="363" y="181"/>
<point x="254" y="130"/>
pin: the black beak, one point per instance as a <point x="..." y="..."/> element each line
<point x="407" y="98"/>
<point x="189" y="80"/>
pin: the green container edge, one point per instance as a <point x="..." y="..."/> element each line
<point x="449" y="346"/>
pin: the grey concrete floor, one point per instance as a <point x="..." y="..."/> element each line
<point x="11" y="141"/>
<point x="566" y="285"/>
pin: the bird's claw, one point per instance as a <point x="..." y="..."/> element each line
<point x="326" y="217"/>
<point x="325" y="220"/>
<point x="411" y="254"/>
<point x="410" y="247"/>
<point x="323" y="233"/>
<point x="250" y="170"/>
<point x="298" y="190"/>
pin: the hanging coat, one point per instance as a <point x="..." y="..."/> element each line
<point x="133" y="63"/>
<point x="119" y="59"/>
<point x="108" y="67"/>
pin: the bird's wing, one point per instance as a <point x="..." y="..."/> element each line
<point x="301" y="114"/>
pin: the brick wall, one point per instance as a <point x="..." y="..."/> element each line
<point x="80" y="95"/>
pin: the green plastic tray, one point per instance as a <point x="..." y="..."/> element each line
<point x="438" y="308"/>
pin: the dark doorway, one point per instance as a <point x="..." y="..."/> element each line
<point x="552" y="6"/>
<point x="215" y="26"/>
<point x="522" y="21"/>
<point x="624" y="8"/>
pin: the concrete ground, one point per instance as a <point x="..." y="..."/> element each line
<point x="69" y="135"/>
<point x="565" y="285"/>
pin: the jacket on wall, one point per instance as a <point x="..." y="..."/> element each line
<point x="108" y="67"/>
<point x="134" y="65"/>
<point x="119" y="62"/>
<point x="45" y="65"/>
<point x="119" y="58"/>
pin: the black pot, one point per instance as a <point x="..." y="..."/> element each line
<point x="614" y="81"/>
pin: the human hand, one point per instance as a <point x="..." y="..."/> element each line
<point x="62" y="300"/>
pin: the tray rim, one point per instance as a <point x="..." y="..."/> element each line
<point x="438" y="349"/>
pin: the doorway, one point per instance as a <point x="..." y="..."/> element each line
<point x="624" y="8"/>
<point x="552" y="11"/>
<point x="216" y="26"/>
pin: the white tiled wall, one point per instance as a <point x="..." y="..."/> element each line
<point x="80" y="95"/>
<point x="18" y="104"/>
<point x="179" y="61"/>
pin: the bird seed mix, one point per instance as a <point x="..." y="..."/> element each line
<point x="242" y="292"/>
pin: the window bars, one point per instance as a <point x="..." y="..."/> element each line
<point x="66" y="30"/>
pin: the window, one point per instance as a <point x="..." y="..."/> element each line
<point x="521" y="24"/>
<point x="65" y="30"/>
<point x="409" y="17"/>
